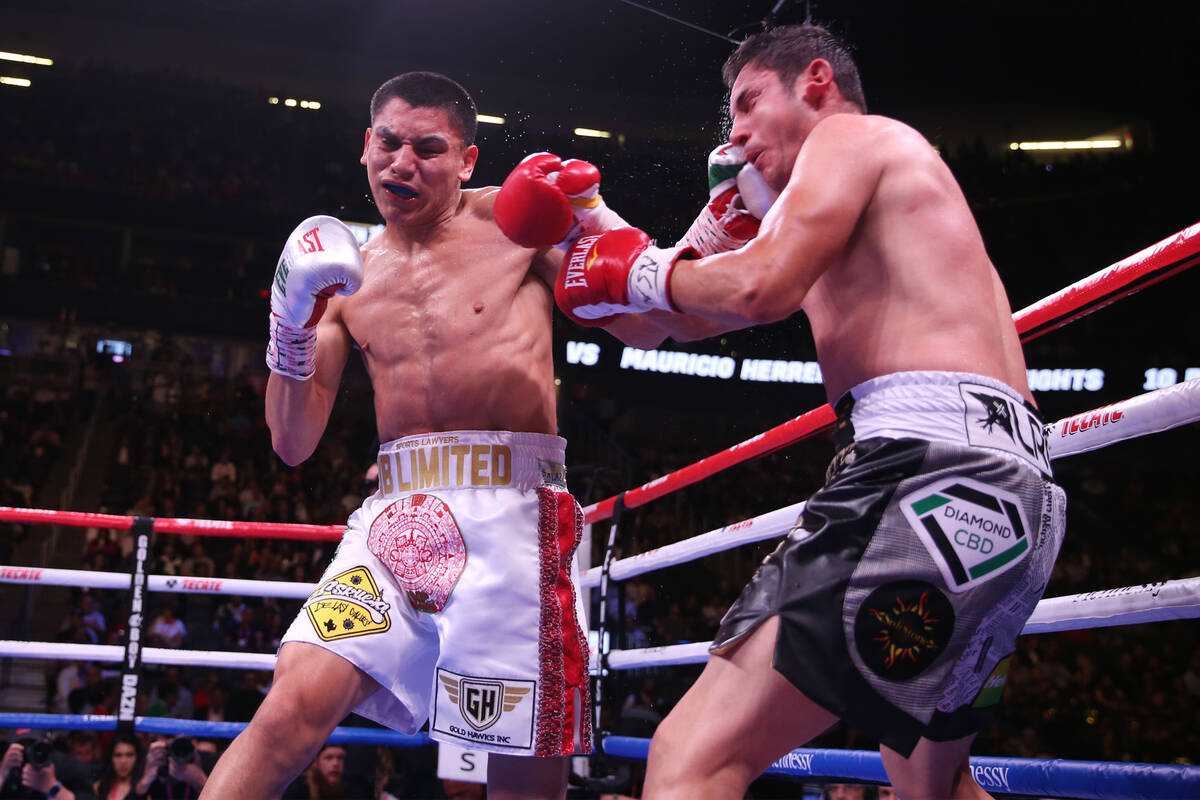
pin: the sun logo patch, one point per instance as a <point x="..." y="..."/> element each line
<point x="902" y="627"/>
<point x="348" y="604"/>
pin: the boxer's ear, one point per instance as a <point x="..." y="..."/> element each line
<point x="817" y="80"/>
<point x="470" y="156"/>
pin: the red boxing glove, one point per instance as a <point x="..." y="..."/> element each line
<point x="616" y="272"/>
<point x="530" y="208"/>
<point x="548" y="202"/>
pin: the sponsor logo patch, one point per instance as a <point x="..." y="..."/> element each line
<point x="993" y="688"/>
<point x="420" y="542"/>
<point x="995" y="420"/>
<point x="973" y="531"/>
<point x="348" y="604"/>
<point x="902" y="627"/>
<point x="553" y="474"/>
<point x="492" y="711"/>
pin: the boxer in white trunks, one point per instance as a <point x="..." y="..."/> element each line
<point x="896" y="600"/>
<point x="451" y="596"/>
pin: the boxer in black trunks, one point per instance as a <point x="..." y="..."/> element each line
<point x="896" y="600"/>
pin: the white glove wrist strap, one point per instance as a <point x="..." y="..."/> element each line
<point x="591" y="215"/>
<point x="292" y="352"/>
<point x="649" y="283"/>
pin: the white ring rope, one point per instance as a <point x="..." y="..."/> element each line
<point x="1155" y="602"/>
<point x="1161" y="601"/>
<point x="1152" y="602"/>
<point x="747" y="531"/>
<point x="89" y="579"/>
<point x="69" y="651"/>
<point x="1152" y="412"/>
<point x="1142" y="415"/>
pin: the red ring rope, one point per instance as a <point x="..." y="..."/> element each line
<point x="1146" y="267"/>
<point x="204" y="527"/>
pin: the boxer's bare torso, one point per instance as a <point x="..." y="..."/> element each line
<point x="452" y="319"/>
<point x="454" y="329"/>
<point x="914" y="288"/>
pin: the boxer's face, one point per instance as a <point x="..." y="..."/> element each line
<point x="415" y="162"/>
<point x="769" y="123"/>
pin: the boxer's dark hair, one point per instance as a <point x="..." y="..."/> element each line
<point x="431" y="90"/>
<point x="789" y="49"/>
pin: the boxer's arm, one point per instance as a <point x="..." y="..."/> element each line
<point x="647" y="331"/>
<point x="832" y="183"/>
<point x="297" y="411"/>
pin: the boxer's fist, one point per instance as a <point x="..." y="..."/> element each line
<point x="320" y="258"/>
<point x="738" y="199"/>
<point x="531" y="208"/>
<point x="615" y="272"/>
<point x="548" y="202"/>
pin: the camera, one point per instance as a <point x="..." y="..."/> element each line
<point x="37" y="754"/>
<point x="181" y="749"/>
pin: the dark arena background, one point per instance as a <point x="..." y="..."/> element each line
<point x="154" y="156"/>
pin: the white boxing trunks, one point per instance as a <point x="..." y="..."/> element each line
<point x="455" y="588"/>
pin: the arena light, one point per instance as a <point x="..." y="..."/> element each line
<point x="24" y="59"/>
<point x="23" y="82"/>
<point x="1074" y="144"/>
<point x="593" y="133"/>
<point x="489" y="119"/>
<point x="291" y="102"/>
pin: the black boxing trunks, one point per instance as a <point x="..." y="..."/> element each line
<point x="904" y="584"/>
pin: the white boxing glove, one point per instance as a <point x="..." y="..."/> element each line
<point x="321" y="258"/>
<point x="738" y="199"/>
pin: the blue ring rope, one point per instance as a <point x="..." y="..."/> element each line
<point x="1086" y="780"/>
<point x="200" y="728"/>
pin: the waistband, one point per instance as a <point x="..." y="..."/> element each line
<point x="471" y="460"/>
<point x="957" y="407"/>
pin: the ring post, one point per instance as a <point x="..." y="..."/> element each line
<point x="131" y="664"/>
<point x="603" y="643"/>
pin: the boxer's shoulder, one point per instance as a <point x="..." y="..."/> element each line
<point x="878" y="135"/>
<point x="479" y="201"/>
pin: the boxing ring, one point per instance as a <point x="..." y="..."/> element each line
<point x="1137" y="416"/>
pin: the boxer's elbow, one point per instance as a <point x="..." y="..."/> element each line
<point x="293" y="447"/>
<point x="289" y="452"/>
